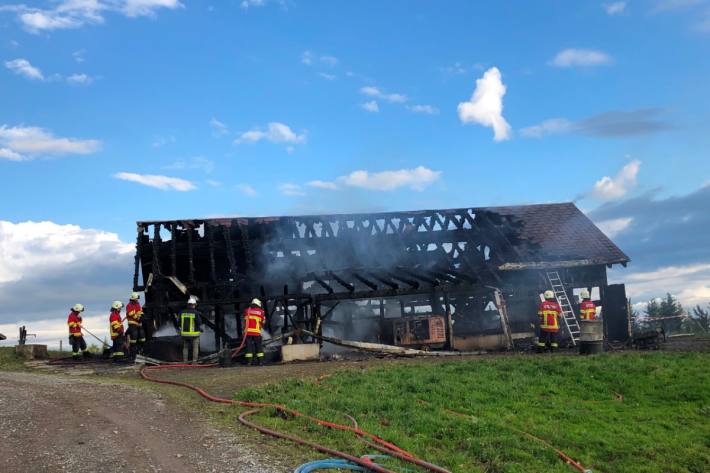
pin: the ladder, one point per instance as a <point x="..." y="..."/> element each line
<point x="568" y="316"/>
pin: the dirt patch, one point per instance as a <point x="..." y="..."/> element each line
<point x="53" y="423"/>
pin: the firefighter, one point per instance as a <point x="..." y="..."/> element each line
<point x="116" y="331"/>
<point x="549" y="313"/>
<point x="136" y="333"/>
<point x="76" y="337"/>
<point x="253" y="321"/>
<point x="190" y="322"/>
<point x="587" y="309"/>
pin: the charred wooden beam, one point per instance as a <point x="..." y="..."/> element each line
<point x="366" y="282"/>
<point x="342" y="282"/>
<point x="393" y="285"/>
<point x="322" y="283"/>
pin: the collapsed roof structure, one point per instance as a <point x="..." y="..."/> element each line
<point x="469" y="265"/>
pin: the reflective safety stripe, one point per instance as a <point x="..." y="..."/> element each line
<point x="548" y="319"/>
<point x="541" y="344"/>
<point x="187" y="324"/>
<point x="117" y="353"/>
<point x="260" y="355"/>
<point x="248" y="355"/>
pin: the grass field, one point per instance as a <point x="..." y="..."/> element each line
<point x="617" y="413"/>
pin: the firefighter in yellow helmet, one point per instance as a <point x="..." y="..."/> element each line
<point x="116" y="331"/>
<point x="253" y="321"/>
<point x="549" y="313"/>
<point x="587" y="308"/>
<point x="136" y="332"/>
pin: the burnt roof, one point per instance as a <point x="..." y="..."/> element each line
<point x="557" y="233"/>
<point x="535" y="236"/>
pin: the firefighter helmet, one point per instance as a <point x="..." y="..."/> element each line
<point x="192" y="300"/>
<point x="584" y="294"/>
<point x="135" y="296"/>
<point x="549" y="294"/>
<point x="116" y="305"/>
<point x="78" y="308"/>
<point x="256" y="302"/>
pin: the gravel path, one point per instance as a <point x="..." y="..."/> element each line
<point x="52" y="423"/>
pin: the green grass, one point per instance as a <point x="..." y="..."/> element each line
<point x="9" y="361"/>
<point x="662" y="424"/>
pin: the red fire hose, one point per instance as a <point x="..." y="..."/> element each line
<point x="376" y="442"/>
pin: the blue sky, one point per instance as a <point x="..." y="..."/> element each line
<point x="237" y="107"/>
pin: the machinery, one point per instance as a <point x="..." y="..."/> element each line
<point x="420" y="332"/>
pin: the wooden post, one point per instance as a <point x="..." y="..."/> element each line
<point x="449" y="322"/>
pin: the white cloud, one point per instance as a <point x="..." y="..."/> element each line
<point x="613" y="227"/>
<point x="416" y="179"/>
<point x="377" y="93"/>
<point x="246" y="4"/>
<point x="689" y="283"/>
<point x="370" y="106"/>
<point x="327" y="76"/>
<point x="662" y="6"/>
<point x="22" y="67"/>
<point x="246" y="189"/>
<point x="427" y="109"/>
<point x="34" y="141"/>
<point x="608" y="188"/>
<point x="548" y="127"/>
<point x="213" y="183"/>
<point x="160" y="141"/>
<point x="6" y="153"/>
<point x="69" y="14"/>
<point x="323" y="185"/>
<point x="79" y="56"/>
<point x="291" y="190"/>
<point x="134" y="8"/>
<point x="571" y="57"/>
<point x="218" y="127"/>
<point x="614" y="8"/>
<point x="159" y="182"/>
<point x="275" y="132"/>
<point x="80" y="79"/>
<point x="486" y="105"/>
<point x="331" y="61"/>
<point x="307" y="57"/>
<point x="35" y="259"/>
<point x="199" y="163"/>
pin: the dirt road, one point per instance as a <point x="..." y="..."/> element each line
<point x="54" y="423"/>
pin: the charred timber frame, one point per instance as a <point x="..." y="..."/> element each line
<point x="227" y="262"/>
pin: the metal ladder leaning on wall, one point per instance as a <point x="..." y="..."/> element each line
<point x="567" y="313"/>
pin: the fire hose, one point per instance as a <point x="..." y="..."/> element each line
<point x="371" y="439"/>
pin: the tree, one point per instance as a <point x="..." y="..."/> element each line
<point x="653" y="308"/>
<point x="664" y="308"/>
<point x="702" y="317"/>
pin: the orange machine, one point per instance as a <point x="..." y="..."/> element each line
<point x="420" y="332"/>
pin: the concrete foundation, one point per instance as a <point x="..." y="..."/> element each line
<point x="302" y="352"/>
<point x="32" y="352"/>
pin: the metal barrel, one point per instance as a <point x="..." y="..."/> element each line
<point x="591" y="337"/>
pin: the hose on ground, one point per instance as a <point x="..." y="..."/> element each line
<point x="334" y="464"/>
<point x="376" y="442"/>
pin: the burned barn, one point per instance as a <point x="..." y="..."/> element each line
<point x="456" y="279"/>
